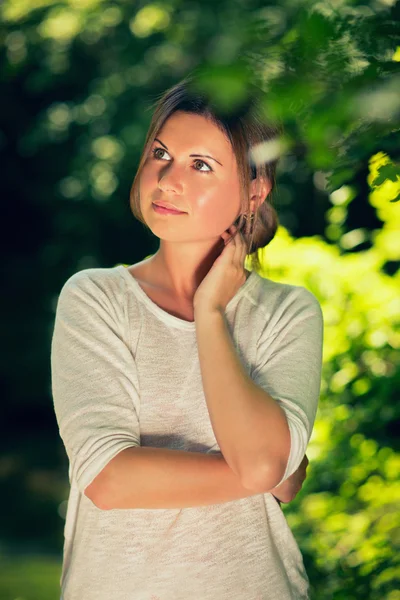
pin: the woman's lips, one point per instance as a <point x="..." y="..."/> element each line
<point x="167" y="211"/>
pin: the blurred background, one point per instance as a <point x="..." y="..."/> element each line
<point x="77" y="78"/>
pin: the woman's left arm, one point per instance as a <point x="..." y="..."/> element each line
<point x="263" y="421"/>
<point x="288" y="489"/>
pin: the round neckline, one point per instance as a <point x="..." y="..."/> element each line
<point x="172" y="319"/>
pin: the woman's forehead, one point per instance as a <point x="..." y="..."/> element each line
<point x="194" y="132"/>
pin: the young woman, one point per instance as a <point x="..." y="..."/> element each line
<point x="185" y="386"/>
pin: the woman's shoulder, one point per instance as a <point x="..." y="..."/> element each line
<point x="283" y="294"/>
<point x="93" y="276"/>
<point x="103" y="285"/>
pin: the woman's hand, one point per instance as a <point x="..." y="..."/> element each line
<point x="288" y="489"/>
<point x="226" y="275"/>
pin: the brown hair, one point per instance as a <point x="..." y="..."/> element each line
<point x="245" y="128"/>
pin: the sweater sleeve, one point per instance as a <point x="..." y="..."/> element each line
<point x="93" y="376"/>
<point x="289" y="365"/>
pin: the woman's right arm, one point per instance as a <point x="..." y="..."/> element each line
<point x="148" y="477"/>
<point x="94" y="377"/>
<point x="96" y="400"/>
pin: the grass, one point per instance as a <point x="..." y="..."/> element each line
<point x="30" y="578"/>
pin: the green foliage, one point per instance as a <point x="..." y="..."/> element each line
<point x="78" y="77"/>
<point x="346" y="517"/>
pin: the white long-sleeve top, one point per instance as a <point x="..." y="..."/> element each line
<point x="126" y="373"/>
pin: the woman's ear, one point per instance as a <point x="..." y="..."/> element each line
<point x="259" y="190"/>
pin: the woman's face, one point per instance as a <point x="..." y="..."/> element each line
<point x="206" y="189"/>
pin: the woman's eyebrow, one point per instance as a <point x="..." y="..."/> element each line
<point x="194" y="155"/>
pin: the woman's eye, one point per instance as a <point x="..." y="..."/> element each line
<point x="155" y="150"/>
<point x="204" y="163"/>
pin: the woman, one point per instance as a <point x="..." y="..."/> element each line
<point x="185" y="386"/>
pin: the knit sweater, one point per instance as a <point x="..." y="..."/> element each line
<point x="125" y="373"/>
